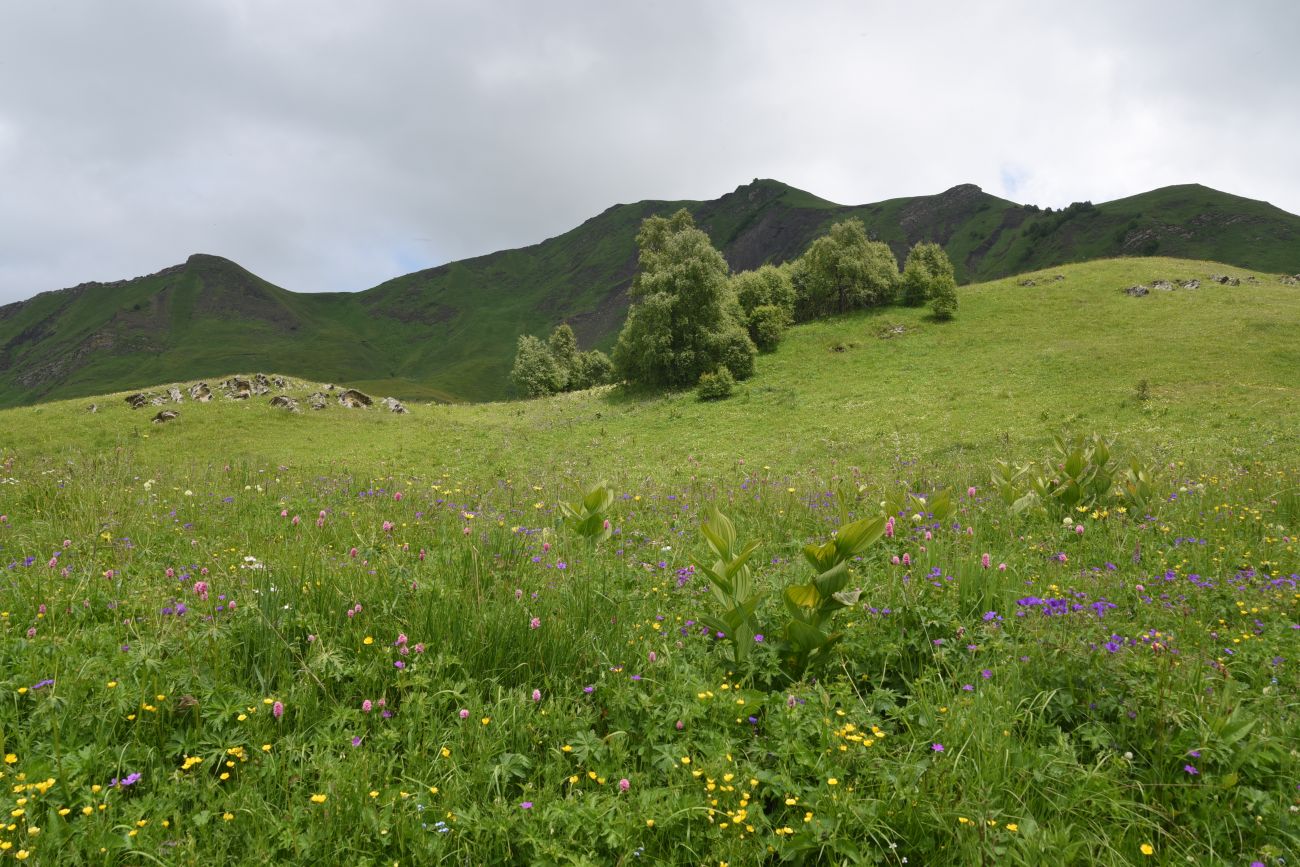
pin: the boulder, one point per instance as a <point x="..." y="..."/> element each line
<point x="1191" y="284"/>
<point x="261" y="385"/>
<point x="157" y="400"/>
<point x="201" y="392"/>
<point x="94" y="407"/>
<point x="1058" y="278"/>
<point x="1137" y="291"/>
<point x="394" y="405"/>
<point x="283" y="401"/>
<point x="353" y="399"/>
<point x="137" y="400"/>
<point x="1226" y="280"/>
<point x="166" y="416"/>
<point x="1163" y="286"/>
<point x="238" y="389"/>
<point x="174" y="394"/>
<point x="1027" y="283"/>
<point x="1288" y="280"/>
<point x="317" y="401"/>
<point x="278" y="381"/>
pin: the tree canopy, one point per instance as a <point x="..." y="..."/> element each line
<point x="843" y="270"/>
<point x="684" y="321"/>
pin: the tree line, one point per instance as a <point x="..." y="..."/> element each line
<point x="694" y="323"/>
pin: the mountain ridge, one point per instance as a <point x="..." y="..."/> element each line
<point x="448" y="332"/>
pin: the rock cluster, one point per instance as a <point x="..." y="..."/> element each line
<point x="239" y="388"/>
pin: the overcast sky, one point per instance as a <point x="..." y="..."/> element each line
<point x="332" y="145"/>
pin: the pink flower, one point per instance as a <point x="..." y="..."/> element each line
<point x="398" y="496"/>
<point x="201" y="590"/>
<point x="388" y="526"/>
<point x="894" y="559"/>
<point x="353" y="553"/>
<point x="535" y="623"/>
<point x="284" y="513"/>
<point x="652" y="656"/>
<point x="970" y="492"/>
<point x="465" y="531"/>
<point x="537" y="695"/>
<point x="907" y="559"/>
<point x="624" y="784"/>
<point x="986" y="560"/>
<point x="546" y="546"/>
<point x="928" y="536"/>
<point x="320" y="522"/>
<point x="1002" y="567"/>
<point x="366" y="706"/>
<point x="464" y="713"/>
<point x="277" y="710"/>
<point x="170" y="573"/>
<point x="422" y="555"/>
<point x="1078" y="529"/>
<point x="889" y="527"/>
<point x="296" y="520"/>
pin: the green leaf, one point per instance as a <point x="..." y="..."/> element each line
<point x="803" y="636"/>
<point x="852" y="539"/>
<point x="801" y="598"/>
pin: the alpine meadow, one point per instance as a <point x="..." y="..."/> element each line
<point x="1004" y="573"/>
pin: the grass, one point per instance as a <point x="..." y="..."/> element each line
<point x="451" y="332"/>
<point x="167" y="587"/>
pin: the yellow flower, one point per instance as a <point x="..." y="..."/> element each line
<point x="374" y="793"/>
<point x="266" y="748"/>
<point x="1147" y="849"/>
<point x="21" y="854"/>
<point x="112" y="684"/>
<point x="86" y="811"/>
<point x="446" y="753"/>
<point x="1012" y="827"/>
<point x="368" y="640"/>
<point x="832" y="782"/>
<point x="486" y="720"/>
<point x="10" y="758"/>
<point x="649" y="823"/>
<point x="318" y="799"/>
<point x="228" y="816"/>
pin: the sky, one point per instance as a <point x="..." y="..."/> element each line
<point x="329" y="146"/>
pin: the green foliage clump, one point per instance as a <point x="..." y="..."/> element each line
<point x="767" y="298"/>
<point x="542" y="369"/>
<point x="804" y="643"/>
<point x="1078" y="474"/>
<point x="843" y="270"/>
<point x="536" y="373"/>
<point x="926" y="274"/>
<point x="685" y="321"/>
<point x="716" y="386"/>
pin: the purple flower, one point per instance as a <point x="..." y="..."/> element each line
<point x="967" y="687"/>
<point x="986" y="674"/>
<point x="759" y="638"/>
<point x="1191" y="769"/>
<point x="938" y="748"/>
<point x="128" y="780"/>
<point x="356" y="741"/>
<point x="1196" y="754"/>
<point x="589" y="689"/>
<point x="526" y="805"/>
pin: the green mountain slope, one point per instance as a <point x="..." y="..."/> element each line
<point x="1017" y="364"/>
<point x="449" y="332"/>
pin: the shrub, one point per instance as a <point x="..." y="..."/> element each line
<point x="767" y="325"/>
<point x="536" y="372"/>
<point x="716" y="386"/>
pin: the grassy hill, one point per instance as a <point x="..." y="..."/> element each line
<point x="1215" y="368"/>
<point x="449" y="332"/>
<point x="351" y="636"/>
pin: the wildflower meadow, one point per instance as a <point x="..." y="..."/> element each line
<point x="557" y="634"/>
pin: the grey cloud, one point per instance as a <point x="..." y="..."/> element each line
<point x="329" y="146"/>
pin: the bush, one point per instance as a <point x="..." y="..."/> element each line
<point x="536" y="372"/>
<point x="927" y="273"/>
<point x="716" y="386"/>
<point x="767" y="325"/>
<point x="844" y="271"/>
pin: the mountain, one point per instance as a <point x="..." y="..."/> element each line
<point x="448" y="333"/>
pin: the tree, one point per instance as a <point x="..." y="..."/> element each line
<point x="535" y="371"/>
<point x="843" y="271"/>
<point x="684" y="321"/>
<point x="766" y="297"/>
<point x="944" y="300"/>
<point x="548" y="368"/>
<point x="563" y="345"/>
<point x="927" y="272"/>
